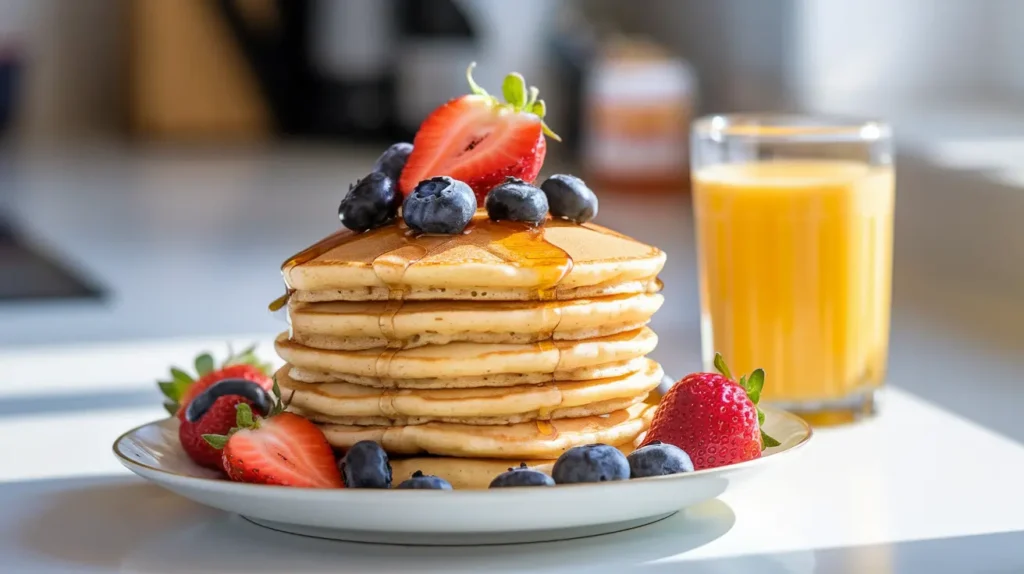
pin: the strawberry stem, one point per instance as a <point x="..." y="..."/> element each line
<point x="473" y="86"/>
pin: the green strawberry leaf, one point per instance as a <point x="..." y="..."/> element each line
<point x="170" y="389"/>
<point x="539" y="108"/>
<point x="217" y="441"/>
<point x="754" y="385"/>
<point x="547" y="131"/>
<point x="767" y="441"/>
<point x="204" y="364"/>
<point x="534" y="92"/>
<point x="721" y="367"/>
<point x="278" y="407"/>
<point x="243" y="416"/>
<point x="181" y="376"/>
<point x="514" y="90"/>
<point x="760" y="417"/>
<point x="171" y="408"/>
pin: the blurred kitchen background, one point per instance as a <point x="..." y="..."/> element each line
<point x="160" y="158"/>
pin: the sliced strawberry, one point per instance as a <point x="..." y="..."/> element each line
<point x="283" y="449"/>
<point x="480" y="140"/>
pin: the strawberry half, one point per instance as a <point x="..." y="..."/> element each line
<point x="480" y="140"/>
<point x="282" y="449"/>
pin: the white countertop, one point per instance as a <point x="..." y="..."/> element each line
<point x="915" y="474"/>
<point x="189" y="247"/>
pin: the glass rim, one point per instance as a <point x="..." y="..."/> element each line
<point x="782" y="127"/>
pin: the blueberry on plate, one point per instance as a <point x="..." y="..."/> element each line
<point x="392" y="161"/>
<point x="372" y="202"/>
<point x="421" y="481"/>
<point x="516" y="200"/>
<point x="522" y="476"/>
<point x="590" y="463"/>
<point x="570" y="198"/>
<point x="365" y="465"/>
<point x="439" y="205"/>
<point x="658" y="459"/>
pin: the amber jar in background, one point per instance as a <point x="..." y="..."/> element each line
<point x="637" y="107"/>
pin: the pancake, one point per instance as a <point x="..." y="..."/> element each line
<point x="489" y="261"/>
<point x="515" y="441"/>
<point x="468" y="473"/>
<point x="470" y="359"/>
<point x="588" y="410"/>
<point x="615" y="369"/>
<point x="355" y="325"/>
<point x="651" y="285"/>
<point x="346" y="403"/>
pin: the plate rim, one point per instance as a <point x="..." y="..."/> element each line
<point x="220" y="483"/>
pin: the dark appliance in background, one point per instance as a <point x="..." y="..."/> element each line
<point x="10" y="68"/>
<point x="26" y="273"/>
<point x="332" y="69"/>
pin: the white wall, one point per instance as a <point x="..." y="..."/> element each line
<point x="876" y="54"/>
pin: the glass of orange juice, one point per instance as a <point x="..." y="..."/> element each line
<point x="794" y="219"/>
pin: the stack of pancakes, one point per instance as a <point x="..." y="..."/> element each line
<point x="464" y="355"/>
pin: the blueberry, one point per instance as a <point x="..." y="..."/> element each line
<point x="392" y="161"/>
<point x="590" y="463"/>
<point x="516" y="200"/>
<point x="366" y="465"/>
<point x="439" y="205"/>
<point x="658" y="459"/>
<point x="570" y="198"/>
<point x="421" y="481"/>
<point x="372" y="202"/>
<point x="522" y="476"/>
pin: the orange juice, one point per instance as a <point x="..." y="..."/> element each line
<point x="796" y="271"/>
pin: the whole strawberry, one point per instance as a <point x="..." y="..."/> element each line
<point x="219" y="417"/>
<point x="213" y="411"/>
<point x="713" y="418"/>
<point x="282" y="449"/>
<point x="182" y="388"/>
<point x="480" y="140"/>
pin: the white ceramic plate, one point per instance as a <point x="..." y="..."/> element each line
<point x="501" y="516"/>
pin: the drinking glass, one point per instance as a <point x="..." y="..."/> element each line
<point x="794" y="220"/>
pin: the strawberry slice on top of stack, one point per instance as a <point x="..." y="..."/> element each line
<point x="481" y="140"/>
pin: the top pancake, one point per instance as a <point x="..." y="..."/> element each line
<point x="489" y="261"/>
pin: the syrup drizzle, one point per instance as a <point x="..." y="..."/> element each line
<point x="515" y="243"/>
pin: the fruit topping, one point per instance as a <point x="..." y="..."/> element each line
<point x="366" y="465"/>
<point x="658" y="459"/>
<point x="516" y="200"/>
<point x="713" y="418"/>
<point x="283" y="449"/>
<point x="441" y="205"/>
<point x="570" y="198"/>
<point x="421" y="481"/>
<point x="480" y="140"/>
<point x="522" y="476"/>
<point x="372" y="202"/>
<point x="213" y="411"/>
<point x="182" y="388"/>
<point x="590" y="463"/>
<point x="392" y="161"/>
<point x="204" y="401"/>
